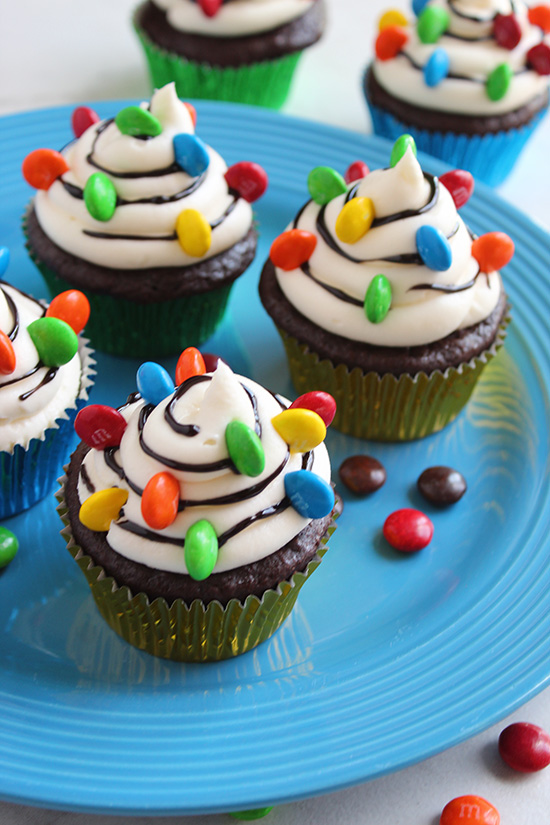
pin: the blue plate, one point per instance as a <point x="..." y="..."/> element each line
<point x="386" y="659"/>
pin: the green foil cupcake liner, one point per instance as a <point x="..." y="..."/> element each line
<point x="29" y="471"/>
<point x="386" y="408"/>
<point x="187" y="633"/>
<point x="266" y="83"/>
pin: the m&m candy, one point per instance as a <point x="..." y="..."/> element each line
<point x="194" y="233"/>
<point x="82" y="118"/>
<point x="392" y="17"/>
<point x="9" y="545"/>
<point x="301" y="429"/>
<point x="100" y="426"/>
<point x="311" y="496"/>
<point x="55" y="341"/>
<point x="408" y="530"/>
<point x="469" y="810"/>
<point x="248" y="179"/>
<point x="292" y="249"/>
<point x="7" y="355"/>
<point x="200" y="550"/>
<point x="507" y="31"/>
<point x="432" y="23"/>
<point x="434" y="248"/>
<point x="138" y="122"/>
<point x="160" y="500"/>
<point x="378" y="299"/>
<point x="400" y="147"/>
<point x="210" y="7"/>
<point x="355" y="171"/>
<point x="354" y="220"/>
<point x="245" y="449"/>
<point x="70" y="306"/>
<point x="101" y="508"/>
<point x="460" y="184"/>
<point x="4" y="260"/>
<point x="42" y="167"/>
<point x="191" y="154"/>
<point x="100" y="196"/>
<point x="390" y="41"/>
<point x="324" y="184"/>
<point x="498" y="82"/>
<point x="189" y="363"/>
<point x="437" y="67"/>
<point x="319" y="402"/>
<point x="154" y="382"/>
<point x="525" y="747"/>
<point x="492" y="251"/>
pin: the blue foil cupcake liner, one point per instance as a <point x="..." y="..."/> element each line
<point x="29" y="473"/>
<point x="490" y="158"/>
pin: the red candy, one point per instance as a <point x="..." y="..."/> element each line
<point x="292" y="249"/>
<point x="356" y="170"/>
<point x="42" y="167"/>
<point x="192" y="111"/>
<point x="248" y="179"/>
<point x="320" y="402"/>
<point x="460" y="184"/>
<point x="189" y="363"/>
<point x="507" y="31"/>
<point x="82" y="118"/>
<point x="210" y="7"/>
<point x="389" y="42"/>
<point x="525" y="747"/>
<point x="100" y="426"/>
<point x="211" y="361"/>
<point x="7" y="355"/>
<point x="540" y="16"/>
<point x="539" y="58"/>
<point x="465" y="809"/>
<point x="72" y="307"/>
<point x="492" y="251"/>
<point x="408" y="530"/>
<point x="160" y="500"/>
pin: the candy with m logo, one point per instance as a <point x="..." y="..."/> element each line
<point x="469" y="809"/>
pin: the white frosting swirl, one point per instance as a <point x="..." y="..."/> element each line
<point x="417" y="316"/>
<point x="235" y="18"/>
<point x="211" y="404"/>
<point x="473" y="55"/>
<point x="33" y="396"/>
<point x="151" y="202"/>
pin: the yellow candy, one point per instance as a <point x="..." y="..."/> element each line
<point x="393" y="17"/>
<point x="355" y="220"/>
<point x="194" y="233"/>
<point x="102" y="507"/>
<point x="301" y="429"/>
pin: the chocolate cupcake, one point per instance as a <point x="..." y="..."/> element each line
<point x="244" y="51"/>
<point x="196" y="517"/>
<point x="146" y="220"/>
<point x="384" y="298"/>
<point x="468" y="80"/>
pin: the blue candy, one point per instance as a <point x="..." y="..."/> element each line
<point x="4" y="259"/>
<point x="310" y="496"/>
<point x="434" y="248"/>
<point x="418" y="6"/>
<point x="437" y="67"/>
<point x="191" y="154"/>
<point x="154" y="382"/>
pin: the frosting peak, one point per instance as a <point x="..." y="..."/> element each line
<point x="400" y="187"/>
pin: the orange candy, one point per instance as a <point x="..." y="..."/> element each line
<point x="42" y="167"/>
<point x="540" y="16"/>
<point x="160" y="499"/>
<point x="492" y="251"/>
<point x="292" y="249"/>
<point x="389" y="42"/>
<point x="192" y="111"/>
<point x="7" y="355"/>
<point x="72" y="307"/>
<point x="189" y="363"/>
<point x="465" y="809"/>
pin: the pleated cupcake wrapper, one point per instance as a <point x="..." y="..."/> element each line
<point x="386" y="408"/>
<point x="29" y="472"/>
<point x="187" y="633"/>
<point x="266" y="83"/>
<point x="490" y="157"/>
<point x="122" y="327"/>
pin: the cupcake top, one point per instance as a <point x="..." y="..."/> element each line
<point x="385" y="259"/>
<point x="141" y="190"/>
<point x="231" y="18"/>
<point x="204" y="477"/>
<point x="40" y="367"/>
<point x="465" y="56"/>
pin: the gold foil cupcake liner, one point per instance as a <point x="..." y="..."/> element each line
<point x="187" y="633"/>
<point x="384" y="407"/>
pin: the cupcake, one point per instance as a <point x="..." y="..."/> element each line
<point x="45" y="375"/>
<point x="240" y="50"/>
<point x="197" y="512"/>
<point x="468" y="79"/>
<point x="384" y="298"/>
<point x="146" y="220"/>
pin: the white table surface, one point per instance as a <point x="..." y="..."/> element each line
<point x="64" y="51"/>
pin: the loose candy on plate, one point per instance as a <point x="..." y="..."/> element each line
<point x="100" y="196"/>
<point x="160" y="500"/>
<point x="154" y="382"/>
<point x="325" y="184"/>
<point x="250" y="816"/>
<point x="434" y="248"/>
<point x="100" y="426"/>
<point x="42" y="167"/>
<point x="200" y="550"/>
<point x="82" y="118"/>
<point x="354" y="220"/>
<point x="7" y="355"/>
<point x="460" y="184"/>
<point x="311" y="496"/>
<point x="191" y="154"/>
<point x="70" y="306"/>
<point x="101" y="508"/>
<point x="408" y="530"/>
<point x="464" y="810"/>
<point x="9" y="545"/>
<point x="492" y="251"/>
<point x="378" y="299"/>
<point x="245" y="449"/>
<point x="400" y="147"/>
<point x="55" y="341"/>
<point x="190" y="363"/>
<point x="292" y="248"/>
<point x="319" y="402"/>
<point x="362" y="474"/>
<point x="525" y="747"/>
<point x="302" y="429"/>
<point x="138" y="122"/>
<point x="441" y="485"/>
<point x="194" y="233"/>
<point x="248" y="179"/>
<point x="355" y="171"/>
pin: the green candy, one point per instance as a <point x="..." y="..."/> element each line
<point x="55" y="341"/>
<point x="499" y="81"/>
<point x="100" y="197"/>
<point x="245" y="449"/>
<point x="201" y="550"/>
<point x="432" y="23"/>
<point x="8" y="546"/>
<point x="325" y="184"/>
<point x="138" y="122"/>
<point x="400" y="147"/>
<point x="249" y="816"/>
<point x="378" y="299"/>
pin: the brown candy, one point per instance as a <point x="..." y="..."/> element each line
<point x="362" y="474"/>
<point x="442" y="485"/>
